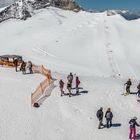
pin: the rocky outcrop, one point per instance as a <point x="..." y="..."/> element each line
<point x="111" y="13"/>
<point x="24" y="9"/>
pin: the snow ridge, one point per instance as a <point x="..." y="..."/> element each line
<point x="23" y="9"/>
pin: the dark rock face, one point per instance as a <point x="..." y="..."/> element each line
<point x="24" y="9"/>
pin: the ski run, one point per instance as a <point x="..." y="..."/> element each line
<point x="102" y="50"/>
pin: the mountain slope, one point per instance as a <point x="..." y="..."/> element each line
<point x="98" y="48"/>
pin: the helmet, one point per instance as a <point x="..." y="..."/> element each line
<point x="135" y="118"/>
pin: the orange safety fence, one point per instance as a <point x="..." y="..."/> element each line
<point x="42" y="70"/>
<point x="43" y="86"/>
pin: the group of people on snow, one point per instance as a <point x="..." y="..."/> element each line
<point x="108" y="116"/>
<point x="24" y="67"/>
<point x="128" y="85"/>
<point x="133" y="123"/>
<point x="69" y="84"/>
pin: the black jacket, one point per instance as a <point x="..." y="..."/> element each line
<point x="128" y="83"/>
<point x="133" y="123"/>
<point x="108" y="115"/>
<point x="99" y="114"/>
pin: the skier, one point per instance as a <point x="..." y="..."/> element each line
<point x="69" y="87"/>
<point x="99" y="115"/>
<point x="133" y="123"/>
<point x="128" y="84"/>
<point x="15" y="64"/>
<point x="138" y="87"/>
<point x="70" y="77"/>
<point x="77" y="84"/>
<point x="108" y="116"/>
<point x="61" y="85"/>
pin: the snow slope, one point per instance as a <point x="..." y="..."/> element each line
<point x="102" y="50"/>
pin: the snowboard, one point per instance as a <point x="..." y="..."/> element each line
<point x="138" y="137"/>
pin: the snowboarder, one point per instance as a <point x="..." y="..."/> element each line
<point x="77" y="84"/>
<point x="108" y="116"/>
<point x="128" y="84"/>
<point x="15" y="64"/>
<point x="133" y="123"/>
<point x="69" y="87"/>
<point x="70" y="77"/>
<point x="61" y="85"/>
<point x="99" y="115"/>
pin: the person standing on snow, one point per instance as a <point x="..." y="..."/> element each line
<point x="69" y="87"/>
<point x="15" y="64"/>
<point x="29" y="66"/>
<point x="70" y="77"/>
<point x="138" y="87"/>
<point x="133" y="123"/>
<point x="77" y="84"/>
<point x="23" y="67"/>
<point x="108" y="116"/>
<point x="61" y="85"/>
<point x="99" y="115"/>
<point x="128" y="84"/>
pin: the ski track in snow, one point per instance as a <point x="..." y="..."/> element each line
<point x="39" y="50"/>
<point x="110" y="55"/>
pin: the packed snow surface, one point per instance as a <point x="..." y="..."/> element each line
<point x="102" y="50"/>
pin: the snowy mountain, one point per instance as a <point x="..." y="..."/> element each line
<point x="23" y="9"/>
<point x="102" y="50"/>
<point x="4" y="3"/>
<point x="128" y="15"/>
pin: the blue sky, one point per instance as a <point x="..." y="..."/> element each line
<point x="110" y="4"/>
